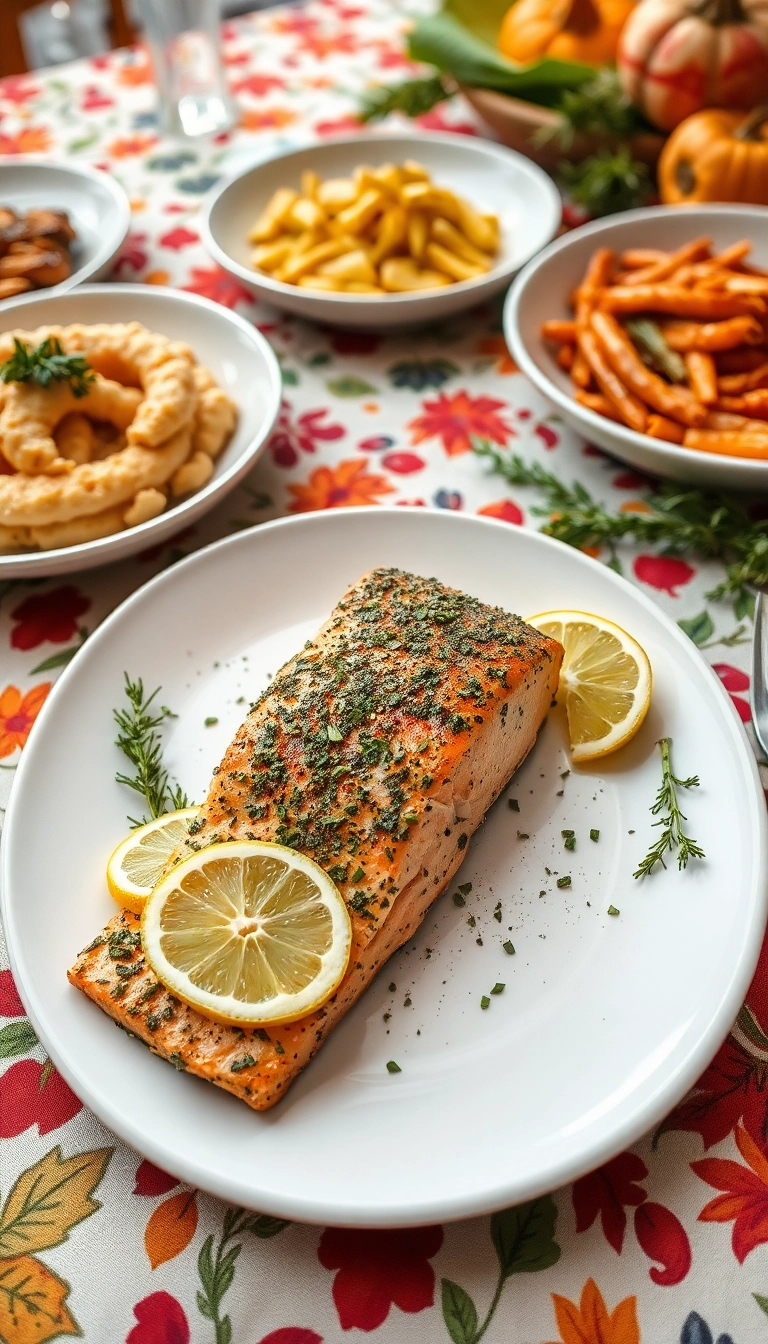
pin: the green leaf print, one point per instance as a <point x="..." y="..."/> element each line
<point x="17" y="1038"/>
<point x="459" y="1313"/>
<point x="524" y="1237"/>
<point x="350" y="387"/>
<point x="698" y="628"/>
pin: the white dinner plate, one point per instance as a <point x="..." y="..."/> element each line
<point x="98" y="208"/>
<point x="242" y="362"/>
<point x="605" y="1020"/>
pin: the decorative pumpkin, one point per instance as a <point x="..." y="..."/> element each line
<point x="716" y="156"/>
<point x="569" y="30"/>
<point x="679" y="56"/>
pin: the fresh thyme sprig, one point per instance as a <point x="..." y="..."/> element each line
<point x="671" y="818"/>
<point x="139" y="740"/>
<point x="412" y="97"/>
<point x="46" y="364"/>
<point x="680" y="520"/>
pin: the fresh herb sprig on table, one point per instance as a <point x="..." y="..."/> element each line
<point x="671" y="818"/>
<point x="412" y="97"/>
<point x="139" y="740"/>
<point x="678" y="519"/>
<point x="47" y="364"/>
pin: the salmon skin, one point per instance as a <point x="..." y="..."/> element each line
<point x="377" y="751"/>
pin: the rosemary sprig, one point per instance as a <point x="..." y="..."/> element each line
<point x="680" y="520"/>
<point x="608" y="181"/>
<point x="46" y="364"/>
<point x="671" y="818"/>
<point x="598" y="108"/>
<point x="139" y="740"/>
<point x="412" y="97"/>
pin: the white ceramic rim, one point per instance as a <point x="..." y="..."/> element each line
<point x="31" y="563"/>
<point x="109" y="245"/>
<point x="590" y="420"/>
<point x="438" y="1210"/>
<point x="264" y="281"/>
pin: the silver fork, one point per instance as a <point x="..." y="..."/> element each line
<point x="759" y="685"/>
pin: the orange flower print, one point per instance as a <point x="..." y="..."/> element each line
<point x="127" y="146"/>
<point x="268" y="119"/>
<point x="590" y="1321"/>
<point x="457" y="419"/>
<point x="17" y="715"/>
<point x="337" y="487"/>
<point x="30" y="140"/>
<point x="497" y="346"/>
<point x="137" y="68"/>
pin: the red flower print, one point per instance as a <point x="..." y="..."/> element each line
<point x="10" y="1003"/>
<point x="176" y="239"/>
<point x="606" y="1192"/>
<point x="17" y="714"/>
<point x="663" y="572"/>
<point x="130" y="146"/>
<point x="214" y="283"/>
<point x="378" y="1270"/>
<point x="548" y="435"/>
<point x="150" y="1180"/>
<point x="258" y="84"/>
<point x="504" y="509"/>
<point x="52" y="616"/>
<point x="455" y="419"/>
<point x="745" y="1202"/>
<point x="355" y="342"/>
<point x="339" y="487"/>
<point x="628" y="480"/>
<point x="266" y="118"/>
<point x="94" y="99"/>
<point x="735" y="1086"/>
<point x="32" y="1093"/>
<point x="662" y="1236"/>
<point x="734" y="679"/>
<point x="18" y="89"/>
<point x="292" y="1334"/>
<point x="403" y="464"/>
<point x="497" y="347"/>
<point x="302" y="436"/>
<point x="340" y="126"/>
<point x="133" y="254"/>
<point x="30" y="140"/>
<point x="161" y="1320"/>
<point x="436" y="120"/>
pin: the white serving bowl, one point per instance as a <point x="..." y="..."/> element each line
<point x="542" y="290"/>
<point x="492" y="178"/>
<point x="237" y="354"/>
<point x="97" y="206"/>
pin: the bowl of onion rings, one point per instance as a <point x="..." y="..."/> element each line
<point x="126" y="413"/>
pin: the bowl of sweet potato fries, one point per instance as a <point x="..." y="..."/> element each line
<point x="648" y="331"/>
<point x="61" y="224"/>
<point x="379" y="231"/>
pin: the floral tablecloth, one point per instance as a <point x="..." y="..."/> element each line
<point x="667" y="1242"/>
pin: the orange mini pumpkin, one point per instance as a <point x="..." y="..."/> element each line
<point x="716" y="156"/>
<point x="568" y="30"/>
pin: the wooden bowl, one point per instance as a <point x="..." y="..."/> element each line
<point x="517" y="123"/>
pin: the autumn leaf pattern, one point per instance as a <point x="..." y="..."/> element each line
<point x="170" y="1228"/>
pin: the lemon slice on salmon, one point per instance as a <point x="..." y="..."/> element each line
<point x="138" y="863"/>
<point x="248" y="933"/>
<point x="605" y="679"/>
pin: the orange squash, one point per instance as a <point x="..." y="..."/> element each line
<point x="716" y="156"/>
<point x="568" y="30"/>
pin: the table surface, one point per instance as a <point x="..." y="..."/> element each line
<point x="667" y="1242"/>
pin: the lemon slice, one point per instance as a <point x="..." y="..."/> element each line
<point x="606" y="678"/>
<point x="138" y="863"/>
<point x="248" y="932"/>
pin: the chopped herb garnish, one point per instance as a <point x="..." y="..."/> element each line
<point x="392" y="1067"/>
<point x="462" y="841"/>
<point x="498" y="988"/>
<point x="671" y="818"/>
<point x="210" y="721"/>
<point x="47" y="364"/>
<point x="563" y="881"/>
<point x="497" y="911"/>
<point x="594" y="835"/>
<point x="523" y="835"/>
<point x="485" y="1002"/>
<point x="513" y="805"/>
<point x="465" y="888"/>
<point x="357" y="875"/>
<point x="333" y="733"/>
<point x="279" y="1048"/>
<point x="244" y="1062"/>
<point x="410" y="817"/>
<point x="392" y="987"/>
<point x="458" y="899"/>
<point x="570" y="842"/>
<point x="613" y="911"/>
<point x="509" y="948"/>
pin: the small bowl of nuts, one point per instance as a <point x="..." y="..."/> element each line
<point x="60" y="225"/>
<point x="381" y="231"/>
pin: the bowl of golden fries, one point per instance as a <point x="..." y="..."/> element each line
<point x="126" y="413"/>
<point x="61" y="224"/>
<point x="648" y="331"/>
<point x="378" y="231"/>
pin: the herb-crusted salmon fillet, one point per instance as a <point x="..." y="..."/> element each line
<point x="376" y="750"/>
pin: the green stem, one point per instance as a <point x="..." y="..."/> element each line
<point x="491" y="1310"/>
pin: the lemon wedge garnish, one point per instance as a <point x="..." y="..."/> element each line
<point x="605" y="679"/>
<point x="138" y="863"/>
<point x="248" y="932"/>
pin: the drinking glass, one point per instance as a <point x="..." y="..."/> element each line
<point x="183" y="37"/>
